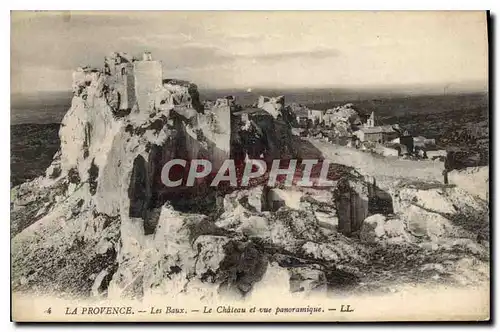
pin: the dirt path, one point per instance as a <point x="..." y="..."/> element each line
<point x="384" y="169"/>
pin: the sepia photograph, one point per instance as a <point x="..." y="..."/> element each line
<point x="249" y="166"/>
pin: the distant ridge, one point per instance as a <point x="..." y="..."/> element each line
<point x="50" y="107"/>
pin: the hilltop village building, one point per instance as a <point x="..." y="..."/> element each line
<point x="376" y="134"/>
<point x="302" y="115"/>
<point x="348" y="129"/>
<point x="316" y="116"/>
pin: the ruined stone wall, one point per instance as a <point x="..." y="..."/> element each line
<point x="218" y="130"/>
<point x="120" y="80"/>
<point x="211" y="137"/>
<point x="129" y="99"/>
<point x="148" y="77"/>
<point x="352" y="201"/>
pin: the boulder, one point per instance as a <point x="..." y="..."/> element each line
<point x="474" y="180"/>
<point x="273" y="105"/>
<point x="290" y="228"/>
<point x="252" y="199"/>
<point x="328" y="221"/>
<point x="308" y="280"/>
<point x="255" y="226"/>
<point x="343" y="119"/>
<point x="275" y="280"/>
<point x="379" y="229"/>
<point x="235" y="265"/>
<point x="352" y="198"/>
<point x="277" y="198"/>
<point x="437" y="210"/>
<point x="339" y="251"/>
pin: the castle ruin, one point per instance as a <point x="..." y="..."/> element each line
<point x="135" y="88"/>
<point x="132" y="80"/>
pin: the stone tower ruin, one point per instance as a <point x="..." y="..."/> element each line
<point x="148" y="76"/>
<point x="120" y="71"/>
<point x="133" y="80"/>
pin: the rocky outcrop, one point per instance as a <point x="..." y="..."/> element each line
<point x="114" y="161"/>
<point x="189" y="253"/>
<point x="440" y="211"/>
<point x="279" y="197"/>
<point x="103" y="196"/>
<point x="342" y="119"/>
<point x="257" y="134"/>
<point x="272" y="105"/>
<point x="474" y="180"/>
<point x="378" y="228"/>
<point x="67" y="250"/>
<point x="352" y="198"/>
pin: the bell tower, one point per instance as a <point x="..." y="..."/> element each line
<point x="370" y="123"/>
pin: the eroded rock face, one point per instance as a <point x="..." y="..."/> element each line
<point x="272" y="105"/>
<point x="190" y="253"/>
<point x="343" y="119"/>
<point x="352" y="197"/>
<point x="277" y="198"/>
<point x="438" y="211"/>
<point x="378" y="228"/>
<point x="103" y="195"/>
<point x="258" y="135"/>
<point x="251" y="199"/>
<point x="236" y="254"/>
<point x="474" y="180"/>
<point x="64" y="253"/>
<point x="113" y="162"/>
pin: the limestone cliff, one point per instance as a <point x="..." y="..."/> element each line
<point x="102" y="215"/>
<point x="101" y="223"/>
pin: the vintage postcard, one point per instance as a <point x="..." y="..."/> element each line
<point x="241" y="166"/>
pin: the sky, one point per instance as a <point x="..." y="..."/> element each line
<point x="354" y="50"/>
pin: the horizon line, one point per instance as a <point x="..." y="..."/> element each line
<point x="386" y="89"/>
